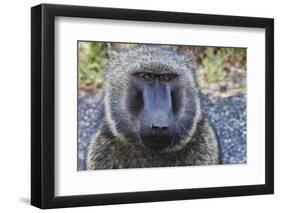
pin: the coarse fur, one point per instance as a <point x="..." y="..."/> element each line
<point x="117" y="144"/>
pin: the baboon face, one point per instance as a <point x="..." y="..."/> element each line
<point x="158" y="104"/>
<point x="153" y="107"/>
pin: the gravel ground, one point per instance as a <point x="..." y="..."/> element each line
<point x="227" y="116"/>
<point x="87" y="114"/>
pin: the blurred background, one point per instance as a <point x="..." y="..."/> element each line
<point x="221" y="76"/>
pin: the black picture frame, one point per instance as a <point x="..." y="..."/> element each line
<point x="43" y="105"/>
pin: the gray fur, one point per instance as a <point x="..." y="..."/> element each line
<point x="116" y="143"/>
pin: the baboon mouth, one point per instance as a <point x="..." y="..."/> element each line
<point x="156" y="142"/>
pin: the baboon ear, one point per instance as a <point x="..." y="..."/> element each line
<point x="190" y="64"/>
<point x="189" y="57"/>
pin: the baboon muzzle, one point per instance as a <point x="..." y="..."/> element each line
<point x="156" y="119"/>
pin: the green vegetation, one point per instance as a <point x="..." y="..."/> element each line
<point x="217" y="60"/>
<point x="92" y="59"/>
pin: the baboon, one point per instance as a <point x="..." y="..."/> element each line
<point x="151" y="113"/>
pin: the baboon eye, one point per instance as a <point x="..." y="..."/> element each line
<point x="146" y="76"/>
<point x="167" y="77"/>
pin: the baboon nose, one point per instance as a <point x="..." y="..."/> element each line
<point x="159" y="129"/>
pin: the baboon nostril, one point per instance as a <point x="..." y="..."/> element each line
<point x="159" y="127"/>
